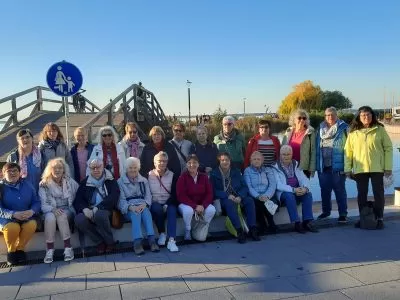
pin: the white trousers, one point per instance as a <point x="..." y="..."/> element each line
<point x="188" y="212"/>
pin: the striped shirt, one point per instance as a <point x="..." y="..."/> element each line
<point x="267" y="149"/>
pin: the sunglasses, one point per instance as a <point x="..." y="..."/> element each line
<point x="302" y="118"/>
<point x="107" y="134"/>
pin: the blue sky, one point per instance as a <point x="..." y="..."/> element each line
<point x="228" y="49"/>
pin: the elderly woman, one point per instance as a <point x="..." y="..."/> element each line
<point x="230" y="187"/>
<point x="331" y="138"/>
<point x="162" y="184"/>
<point x="57" y="193"/>
<point x="19" y="203"/>
<point x="28" y="157"/>
<point x="301" y="137"/>
<point x="95" y="199"/>
<point x="134" y="202"/>
<point x="182" y="146"/>
<point x="205" y="150"/>
<point x="265" y="143"/>
<point x="109" y="151"/>
<point x="292" y="187"/>
<point x="369" y="155"/>
<point x="52" y="145"/>
<point x="80" y="152"/>
<point x="195" y="195"/>
<point x="230" y="140"/>
<point x="131" y="143"/>
<point x="262" y="184"/>
<point x="157" y="144"/>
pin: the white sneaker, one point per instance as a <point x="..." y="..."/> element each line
<point x="68" y="254"/>
<point x="48" y="259"/>
<point x="171" y="246"/>
<point x="162" y="239"/>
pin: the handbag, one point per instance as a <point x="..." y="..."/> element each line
<point x="271" y="206"/>
<point x="367" y="218"/>
<point x="200" y="228"/>
<point x="218" y="208"/>
<point x="116" y="219"/>
<point x="229" y="226"/>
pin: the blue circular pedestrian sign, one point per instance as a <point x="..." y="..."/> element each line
<point x="64" y="79"/>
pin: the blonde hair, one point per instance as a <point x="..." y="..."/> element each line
<point x="297" y="113"/>
<point x="48" y="127"/>
<point x="106" y="128"/>
<point x="256" y="153"/>
<point x="202" y="127"/>
<point x="159" y="155"/>
<point x="156" y="129"/>
<point x="46" y="176"/>
<point x="80" y="129"/>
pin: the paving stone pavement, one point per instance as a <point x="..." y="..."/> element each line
<point x="337" y="263"/>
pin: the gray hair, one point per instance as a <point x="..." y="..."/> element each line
<point x="159" y="155"/>
<point x="331" y="109"/>
<point x="96" y="161"/>
<point x="286" y="147"/>
<point x="106" y="128"/>
<point x="297" y="113"/>
<point x="132" y="161"/>
<point x="256" y="153"/>
<point x="228" y="119"/>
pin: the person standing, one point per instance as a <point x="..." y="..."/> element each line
<point x="131" y="143"/>
<point x="80" y="153"/>
<point x="182" y="146"/>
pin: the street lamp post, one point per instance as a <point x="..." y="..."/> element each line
<point x="188" y="83"/>
<point x="244" y="107"/>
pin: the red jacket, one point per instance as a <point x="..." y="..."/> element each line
<point x="252" y="146"/>
<point x="193" y="194"/>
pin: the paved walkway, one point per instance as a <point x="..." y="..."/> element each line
<point x="337" y="263"/>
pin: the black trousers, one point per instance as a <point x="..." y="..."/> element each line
<point x="261" y="214"/>
<point x="362" y="180"/>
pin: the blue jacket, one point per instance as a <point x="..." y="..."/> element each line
<point x="207" y="155"/>
<point x="237" y="182"/>
<point x="19" y="198"/>
<point x="338" y="147"/>
<point x="254" y="180"/>
<point x="74" y="154"/>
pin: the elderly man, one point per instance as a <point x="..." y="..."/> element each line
<point x="331" y="138"/>
<point x="230" y="140"/>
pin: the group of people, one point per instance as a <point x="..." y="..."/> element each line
<point x="82" y="186"/>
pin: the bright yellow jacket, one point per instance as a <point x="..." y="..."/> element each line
<point x="368" y="150"/>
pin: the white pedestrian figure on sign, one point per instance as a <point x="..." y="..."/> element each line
<point x="70" y="84"/>
<point x="60" y="79"/>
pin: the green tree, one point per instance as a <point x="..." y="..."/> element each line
<point x="336" y="99"/>
<point x="218" y="115"/>
<point x="305" y="95"/>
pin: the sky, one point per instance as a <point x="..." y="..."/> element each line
<point x="230" y="50"/>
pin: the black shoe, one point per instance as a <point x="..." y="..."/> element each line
<point x="12" y="258"/>
<point x="342" y="220"/>
<point x="241" y="236"/>
<point x="21" y="256"/>
<point x="298" y="228"/>
<point x="357" y="224"/>
<point x="273" y="229"/>
<point x="308" y="226"/>
<point x="323" y="216"/>
<point x="254" y="234"/>
<point x="380" y="225"/>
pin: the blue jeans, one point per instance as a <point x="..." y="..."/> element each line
<point x="335" y="181"/>
<point x="159" y="218"/>
<point x="291" y="199"/>
<point x="137" y="219"/>
<point x="232" y="211"/>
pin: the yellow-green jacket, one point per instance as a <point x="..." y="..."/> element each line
<point x="368" y="150"/>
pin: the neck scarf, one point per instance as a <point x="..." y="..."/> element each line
<point x="114" y="159"/>
<point x="328" y="135"/>
<point x="227" y="137"/>
<point x="226" y="180"/>
<point x="51" y="144"/>
<point x="133" y="147"/>
<point x="288" y="170"/>
<point x="36" y="157"/>
<point x="159" y="146"/>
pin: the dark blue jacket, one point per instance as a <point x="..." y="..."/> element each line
<point x="207" y="155"/>
<point x="237" y="182"/>
<point x="74" y="154"/>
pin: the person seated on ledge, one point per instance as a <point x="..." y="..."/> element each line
<point x="293" y="186"/>
<point x="230" y="187"/>
<point x="134" y="202"/>
<point x="18" y="204"/>
<point x="162" y="184"/>
<point x="195" y="195"/>
<point x="95" y="199"/>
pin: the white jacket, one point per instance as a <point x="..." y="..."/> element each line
<point x="124" y="146"/>
<point x="282" y="186"/>
<point x="98" y="153"/>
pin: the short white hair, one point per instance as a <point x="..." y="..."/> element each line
<point x="96" y="162"/>
<point x="286" y="147"/>
<point x="297" y="113"/>
<point x="107" y="128"/>
<point x="331" y="109"/>
<point x="159" y="155"/>
<point x="132" y="161"/>
<point x="228" y="119"/>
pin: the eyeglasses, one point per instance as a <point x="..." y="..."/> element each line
<point x="177" y="130"/>
<point x="329" y="115"/>
<point x="365" y="115"/>
<point x="96" y="168"/>
<point x="263" y="127"/>
<point x="12" y="171"/>
<point x="133" y="131"/>
<point x="107" y="134"/>
<point x="228" y="124"/>
<point x="301" y="118"/>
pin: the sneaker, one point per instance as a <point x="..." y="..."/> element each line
<point x="171" y="246"/>
<point x="162" y="238"/>
<point x="138" y="248"/>
<point x="308" y="226"/>
<point x="188" y="235"/>
<point x="254" y="234"/>
<point x="21" y="256"/>
<point x="68" y="254"/>
<point x="323" y="216"/>
<point x="12" y="258"/>
<point x="154" y="247"/>
<point x="241" y="236"/>
<point x="48" y="259"/>
<point x="380" y="225"/>
<point x="298" y="228"/>
<point x="342" y="220"/>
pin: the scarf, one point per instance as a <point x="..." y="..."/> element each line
<point x="226" y="180"/>
<point x="133" y="147"/>
<point x="159" y="146"/>
<point x="114" y="159"/>
<point x="36" y="157"/>
<point x="288" y="170"/>
<point x="51" y="144"/>
<point x="100" y="192"/>
<point x="328" y="135"/>
<point x="227" y="137"/>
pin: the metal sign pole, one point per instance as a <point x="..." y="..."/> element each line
<point x="66" y="110"/>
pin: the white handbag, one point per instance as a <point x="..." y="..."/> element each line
<point x="200" y="228"/>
